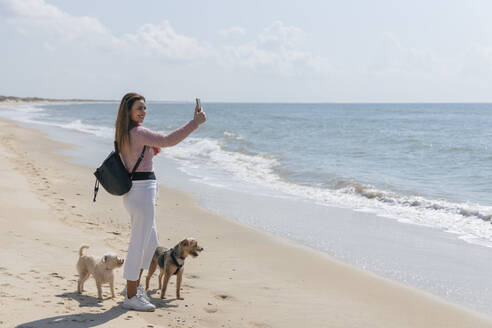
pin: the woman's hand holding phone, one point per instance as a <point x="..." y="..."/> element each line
<point x="199" y="116"/>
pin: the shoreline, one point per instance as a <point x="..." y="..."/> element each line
<point x="232" y="274"/>
<point x="13" y="103"/>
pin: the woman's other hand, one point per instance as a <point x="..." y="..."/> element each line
<point x="199" y="116"/>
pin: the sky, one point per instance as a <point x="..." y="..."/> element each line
<point x="248" y="51"/>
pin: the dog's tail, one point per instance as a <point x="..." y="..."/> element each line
<point x="82" y="249"/>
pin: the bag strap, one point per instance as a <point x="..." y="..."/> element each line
<point x="138" y="161"/>
<point x="139" y="158"/>
<point x="96" y="189"/>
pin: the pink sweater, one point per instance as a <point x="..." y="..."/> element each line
<point x="140" y="136"/>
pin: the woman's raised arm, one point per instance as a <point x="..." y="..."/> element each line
<point x="157" y="139"/>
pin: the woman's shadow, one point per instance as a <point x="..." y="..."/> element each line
<point x="86" y="319"/>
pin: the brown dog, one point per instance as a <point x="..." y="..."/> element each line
<point x="171" y="262"/>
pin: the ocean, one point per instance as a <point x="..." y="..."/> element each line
<point x="424" y="168"/>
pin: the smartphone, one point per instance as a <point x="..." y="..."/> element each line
<point x="198" y="104"/>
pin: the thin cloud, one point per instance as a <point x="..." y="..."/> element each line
<point x="233" y="32"/>
<point x="276" y="50"/>
<point x="40" y="20"/>
<point x="163" y="40"/>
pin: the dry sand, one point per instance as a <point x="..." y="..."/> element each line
<point x="244" y="277"/>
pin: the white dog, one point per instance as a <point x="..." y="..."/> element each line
<point x="102" y="271"/>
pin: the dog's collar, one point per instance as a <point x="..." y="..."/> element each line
<point x="173" y="257"/>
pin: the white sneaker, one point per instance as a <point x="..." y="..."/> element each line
<point x="138" y="303"/>
<point x="140" y="290"/>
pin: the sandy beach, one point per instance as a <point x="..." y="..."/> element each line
<point x="243" y="278"/>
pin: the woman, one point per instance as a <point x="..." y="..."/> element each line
<point x="131" y="137"/>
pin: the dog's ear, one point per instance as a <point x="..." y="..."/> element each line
<point x="105" y="258"/>
<point x="184" y="242"/>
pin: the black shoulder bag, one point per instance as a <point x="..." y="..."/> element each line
<point x="113" y="175"/>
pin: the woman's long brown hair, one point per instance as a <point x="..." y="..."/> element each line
<point x="123" y="122"/>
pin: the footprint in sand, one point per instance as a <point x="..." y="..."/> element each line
<point x="224" y="297"/>
<point x="56" y="275"/>
<point x="192" y="276"/>
<point x="259" y="324"/>
<point x="19" y="277"/>
<point x="24" y="299"/>
<point x="210" y="310"/>
<point x="5" y="294"/>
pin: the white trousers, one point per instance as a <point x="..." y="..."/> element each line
<point x="140" y="204"/>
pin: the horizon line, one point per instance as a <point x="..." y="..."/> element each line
<point x="34" y="99"/>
